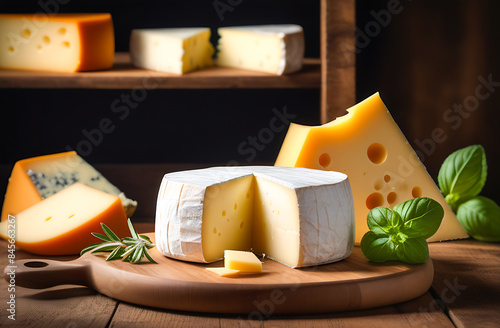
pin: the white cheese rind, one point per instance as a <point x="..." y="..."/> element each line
<point x="323" y="201"/>
<point x="249" y="47"/>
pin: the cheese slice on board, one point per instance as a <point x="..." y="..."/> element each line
<point x="224" y="272"/>
<point x="173" y="50"/>
<point x="276" y="49"/>
<point x="299" y="217"/>
<point x="36" y="178"/>
<point x="59" y="42"/>
<point x="62" y="224"/>
<point x="368" y="146"/>
<point x="242" y="261"/>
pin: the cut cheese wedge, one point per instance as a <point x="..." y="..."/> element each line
<point x="173" y="50"/>
<point x="299" y="217"/>
<point x="368" y="146"/>
<point x="276" y="49"/>
<point x="59" y="42"/>
<point x="36" y="178"/>
<point x="224" y="272"/>
<point x="242" y="261"/>
<point x="62" y="224"/>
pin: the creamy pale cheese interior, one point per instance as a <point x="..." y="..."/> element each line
<point x="174" y="50"/>
<point x="227" y="213"/>
<point x="276" y="49"/>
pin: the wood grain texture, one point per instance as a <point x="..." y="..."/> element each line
<point x="351" y="284"/>
<point x="338" y="58"/>
<point x="467" y="281"/>
<point x="61" y="306"/>
<point x="405" y="314"/>
<point x="125" y="76"/>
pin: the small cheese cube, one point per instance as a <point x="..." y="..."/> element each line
<point x="242" y="261"/>
<point x="173" y="50"/>
<point x="62" y="224"/>
<point x="60" y="42"/>
<point x="224" y="272"/>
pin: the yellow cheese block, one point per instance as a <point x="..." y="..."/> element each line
<point x="61" y="42"/>
<point x="62" y="224"/>
<point x="36" y="178"/>
<point x="242" y="261"/>
<point x="224" y="272"/>
<point x="368" y="146"/>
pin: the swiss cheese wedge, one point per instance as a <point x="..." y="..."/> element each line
<point x="368" y="146"/>
<point x="62" y="223"/>
<point x="59" y="42"/>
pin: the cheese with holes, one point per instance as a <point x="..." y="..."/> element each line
<point x="368" y="146"/>
<point x="36" y="178"/>
<point x="276" y="49"/>
<point x="59" y="42"/>
<point x="173" y="50"/>
<point x="299" y="217"/>
<point x="62" y="223"/>
<point x="242" y="261"/>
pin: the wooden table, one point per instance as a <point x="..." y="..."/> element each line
<point x="465" y="293"/>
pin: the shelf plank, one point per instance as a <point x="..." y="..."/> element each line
<point x="125" y="76"/>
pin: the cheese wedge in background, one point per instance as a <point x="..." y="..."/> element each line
<point x="36" y="178"/>
<point x="299" y="217"/>
<point x="62" y="224"/>
<point x="173" y="50"/>
<point x="276" y="49"/>
<point x="60" y="42"/>
<point x="242" y="261"/>
<point x="368" y="146"/>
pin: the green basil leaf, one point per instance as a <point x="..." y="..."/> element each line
<point x="422" y="217"/>
<point x="413" y="250"/>
<point x="383" y="221"/>
<point x="378" y="249"/>
<point x="463" y="173"/>
<point x="480" y="217"/>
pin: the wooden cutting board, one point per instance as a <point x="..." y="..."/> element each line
<point x="351" y="284"/>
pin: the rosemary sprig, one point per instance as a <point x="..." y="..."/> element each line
<point x="129" y="249"/>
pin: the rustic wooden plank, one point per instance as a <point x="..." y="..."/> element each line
<point x="407" y="314"/>
<point x="467" y="281"/>
<point x="338" y="57"/>
<point x="61" y="306"/>
<point x="125" y="76"/>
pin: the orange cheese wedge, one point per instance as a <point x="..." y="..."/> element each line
<point x="62" y="224"/>
<point x="61" y="42"/>
<point x="36" y="178"/>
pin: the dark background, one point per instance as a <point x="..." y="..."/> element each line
<point x="426" y="59"/>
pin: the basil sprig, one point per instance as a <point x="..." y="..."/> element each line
<point x="461" y="178"/>
<point x="400" y="233"/>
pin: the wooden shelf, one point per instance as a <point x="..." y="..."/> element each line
<point x="125" y="76"/>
